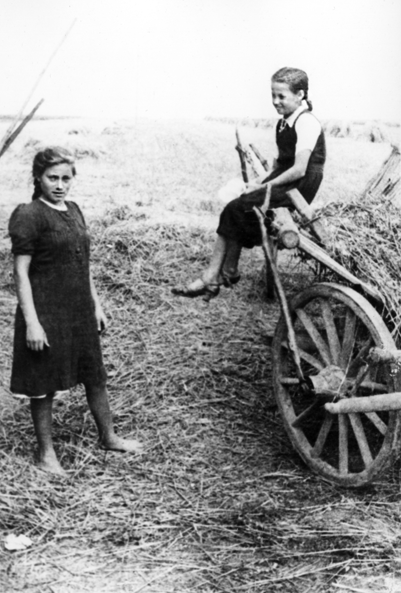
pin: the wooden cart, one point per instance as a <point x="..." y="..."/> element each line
<point x="335" y="364"/>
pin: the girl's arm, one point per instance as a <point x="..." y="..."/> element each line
<point x="297" y="171"/>
<point x="36" y="338"/>
<point x="99" y="313"/>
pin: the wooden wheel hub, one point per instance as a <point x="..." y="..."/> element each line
<point x="329" y="382"/>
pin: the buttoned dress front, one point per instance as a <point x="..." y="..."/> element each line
<point x="58" y="243"/>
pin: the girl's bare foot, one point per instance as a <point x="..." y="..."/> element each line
<point x="51" y="465"/>
<point x="116" y="443"/>
<point x="199" y="287"/>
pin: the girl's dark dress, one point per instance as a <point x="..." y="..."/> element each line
<point x="59" y="274"/>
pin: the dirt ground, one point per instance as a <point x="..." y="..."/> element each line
<point x="219" y="502"/>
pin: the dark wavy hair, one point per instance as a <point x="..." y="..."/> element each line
<point x="49" y="157"/>
<point x="296" y="79"/>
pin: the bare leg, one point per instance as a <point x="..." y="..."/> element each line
<point x="41" y="410"/>
<point x="212" y="273"/>
<point x="98" y="401"/>
<point x="230" y="267"/>
<point x="225" y="255"/>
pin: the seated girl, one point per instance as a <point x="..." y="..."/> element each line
<point x="301" y="154"/>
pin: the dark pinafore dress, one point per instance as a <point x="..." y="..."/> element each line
<point x="239" y="223"/>
<point x="58" y="243"/>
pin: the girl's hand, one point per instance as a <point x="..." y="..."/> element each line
<point x="101" y="319"/>
<point x="36" y="338"/>
<point x="253" y="186"/>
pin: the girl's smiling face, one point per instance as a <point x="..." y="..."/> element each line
<point x="284" y="100"/>
<point x="56" y="182"/>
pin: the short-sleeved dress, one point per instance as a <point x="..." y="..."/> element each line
<point x="58" y="242"/>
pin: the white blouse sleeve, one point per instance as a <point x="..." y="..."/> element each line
<point x="308" y="130"/>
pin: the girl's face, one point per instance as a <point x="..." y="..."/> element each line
<point x="56" y="182"/>
<point x="284" y="100"/>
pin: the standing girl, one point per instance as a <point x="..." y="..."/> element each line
<point x="299" y="162"/>
<point x="59" y="315"/>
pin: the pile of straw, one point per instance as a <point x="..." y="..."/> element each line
<point x="365" y="236"/>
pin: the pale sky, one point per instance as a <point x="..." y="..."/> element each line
<point x="193" y="58"/>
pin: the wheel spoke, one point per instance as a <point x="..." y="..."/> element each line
<point x="364" y="349"/>
<point x="307" y="357"/>
<point x="343" y="443"/>
<point x="322" y="436"/>
<point x="313" y="332"/>
<point x="363" y="371"/>
<point x="361" y="438"/>
<point x="373" y="387"/>
<point x="378" y="422"/>
<point x="348" y="337"/>
<point x="331" y="331"/>
<point x="289" y="381"/>
<point x="306" y="413"/>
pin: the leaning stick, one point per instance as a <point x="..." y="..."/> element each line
<point x="292" y="343"/>
<point x="261" y="159"/>
<point x="19" y="114"/>
<point x="19" y="128"/>
<point x="240" y="151"/>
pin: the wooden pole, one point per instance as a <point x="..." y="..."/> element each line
<point x="19" y="128"/>
<point x="384" y="402"/>
<point x="258" y="155"/>
<point x="19" y="114"/>
<point x="240" y="151"/>
<point x="323" y="257"/>
<point x="307" y="212"/>
<point x="292" y="343"/>
<point x="287" y="230"/>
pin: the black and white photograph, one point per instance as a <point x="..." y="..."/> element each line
<point x="200" y="296"/>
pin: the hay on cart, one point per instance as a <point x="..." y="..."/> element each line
<point x="364" y="235"/>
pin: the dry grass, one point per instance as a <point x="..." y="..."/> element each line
<point x="219" y="502"/>
<point x="365" y="236"/>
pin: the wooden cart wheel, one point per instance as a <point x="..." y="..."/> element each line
<point x="335" y="327"/>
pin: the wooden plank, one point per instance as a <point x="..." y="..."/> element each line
<point x="320" y="255"/>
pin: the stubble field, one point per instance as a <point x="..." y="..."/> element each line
<point x="219" y="501"/>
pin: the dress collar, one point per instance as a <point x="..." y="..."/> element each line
<point x="61" y="208"/>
